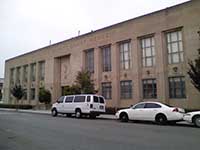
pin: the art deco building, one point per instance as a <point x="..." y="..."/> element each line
<point x="141" y="59"/>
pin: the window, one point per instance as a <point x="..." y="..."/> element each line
<point x="79" y="99"/>
<point x="33" y="72"/>
<point x="138" y="106"/>
<point x="125" y="56"/>
<point x="25" y="74"/>
<point x="18" y="75"/>
<point x="96" y="100"/>
<point x="32" y="94"/>
<point x="152" y="105"/>
<point x="148" y="52"/>
<point x="89" y="60"/>
<point x="101" y="100"/>
<point x="106" y="58"/>
<point x="60" y="100"/>
<point x="12" y="76"/>
<point x="126" y="89"/>
<point x="149" y="88"/>
<point x="175" y="47"/>
<point x="25" y="94"/>
<point x="69" y="99"/>
<point x="107" y="90"/>
<point x="41" y="70"/>
<point x="88" y="98"/>
<point x="177" y="87"/>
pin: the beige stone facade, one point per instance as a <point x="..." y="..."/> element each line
<point x="146" y="59"/>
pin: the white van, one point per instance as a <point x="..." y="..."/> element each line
<point x="84" y="104"/>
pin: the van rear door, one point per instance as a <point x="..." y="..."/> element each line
<point x="95" y="103"/>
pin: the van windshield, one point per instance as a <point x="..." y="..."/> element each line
<point x="101" y="100"/>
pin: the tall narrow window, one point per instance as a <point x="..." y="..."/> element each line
<point x="32" y="94"/>
<point x="12" y="82"/>
<point x="126" y="89"/>
<point x="33" y="72"/>
<point x="175" y="47"/>
<point x="89" y="58"/>
<point x="25" y="74"/>
<point x="41" y="70"/>
<point x="149" y="88"/>
<point x="106" y="58"/>
<point x="148" y="52"/>
<point x="18" y="75"/>
<point x="125" y="55"/>
<point x="107" y="90"/>
<point x="177" y="87"/>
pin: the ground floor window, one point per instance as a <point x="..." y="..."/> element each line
<point x="107" y="90"/>
<point x="32" y="94"/>
<point x="177" y="87"/>
<point x="126" y="89"/>
<point x="149" y="88"/>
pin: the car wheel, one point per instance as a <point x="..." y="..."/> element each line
<point x="54" y="112"/>
<point x="78" y="113"/>
<point x="197" y="121"/>
<point x="123" y="117"/>
<point x="161" y="119"/>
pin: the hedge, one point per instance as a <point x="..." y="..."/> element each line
<point x="16" y="106"/>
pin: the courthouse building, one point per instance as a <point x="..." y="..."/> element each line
<point x="141" y="59"/>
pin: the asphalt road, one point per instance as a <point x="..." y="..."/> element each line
<point x="22" y="131"/>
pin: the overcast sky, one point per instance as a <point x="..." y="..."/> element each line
<point x="27" y="25"/>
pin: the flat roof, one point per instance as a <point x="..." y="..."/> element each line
<point x="98" y="30"/>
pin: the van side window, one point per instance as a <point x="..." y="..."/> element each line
<point x="60" y="100"/>
<point x="96" y="100"/>
<point x="69" y="99"/>
<point x="101" y="100"/>
<point x="88" y="98"/>
<point x="79" y="99"/>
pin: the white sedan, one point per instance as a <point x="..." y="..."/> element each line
<point x="151" y="111"/>
<point x="193" y="117"/>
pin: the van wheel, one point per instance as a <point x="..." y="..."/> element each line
<point x="54" y="112"/>
<point x="78" y="113"/>
<point x="161" y="119"/>
<point x="123" y="117"/>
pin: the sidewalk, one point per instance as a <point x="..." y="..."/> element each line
<point x="48" y="112"/>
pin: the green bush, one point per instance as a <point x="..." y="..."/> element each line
<point x="44" y="96"/>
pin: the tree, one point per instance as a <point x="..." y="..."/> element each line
<point x="194" y="71"/>
<point x="44" y="96"/>
<point x="18" y="92"/>
<point x="84" y="82"/>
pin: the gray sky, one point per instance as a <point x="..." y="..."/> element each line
<point x="26" y="25"/>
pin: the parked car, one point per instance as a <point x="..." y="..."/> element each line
<point x="151" y="111"/>
<point x="193" y="117"/>
<point x="87" y="104"/>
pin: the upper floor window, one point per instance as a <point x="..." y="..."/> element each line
<point x="149" y="88"/>
<point x="148" y="52"/>
<point x="12" y="76"/>
<point x="106" y="58"/>
<point x="125" y="55"/>
<point x="126" y="89"/>
<point x="177" y="87"/>
<point x="25" y="74"/>
<point x="175" y="47"/>
<point x="89" y="60"/>
<point x="107" y="90"/>
<point x="18" y="75"/>
<point x="33" y="72"/>
<point x="41" y="70"/>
